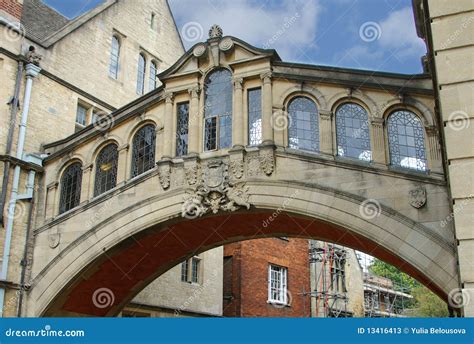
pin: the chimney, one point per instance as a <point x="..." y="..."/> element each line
<point x="11" y="9"/>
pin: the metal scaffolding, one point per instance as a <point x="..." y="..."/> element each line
<point x="329" y="292"/>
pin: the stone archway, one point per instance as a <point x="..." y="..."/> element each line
<point x="133" y="245"/>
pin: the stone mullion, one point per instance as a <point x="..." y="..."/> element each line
<point x="238" y="115"/>
<point x="168" y="127"/>
<point x="86" y="183"/>
<point x="194" y="120"/>
<point x="267" y="127"/>
<point x="378" y="141"/>
<point x="122" y="164"/>
<point x="326" y="136"/>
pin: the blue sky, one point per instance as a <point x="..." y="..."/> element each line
<point x="363" y="34"/>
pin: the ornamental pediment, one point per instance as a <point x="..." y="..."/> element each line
<point x="217" y="50"/>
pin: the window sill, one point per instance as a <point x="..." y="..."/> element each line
<point x="278" y="303"/>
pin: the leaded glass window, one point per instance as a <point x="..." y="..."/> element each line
<point x="153" y="72"/>
<point x="255" y="116"/>
<point x="406" y="140"/>
<point x="70" y="188"/>
<point x="218" y="110"/>
<point x="143" y="154"/>
<point x="195" y="264"/>
<point x="141" y="74"/>
<point x="182" y="129"/>
<point x="303" y="131"/>
<point x="352" y="132"/>
<point x="81" y="115"/>
<point x="106" y="169"/>
<point x="114" y="58"/>
<point x="184" y="271"/>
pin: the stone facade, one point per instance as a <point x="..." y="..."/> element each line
<point x="75" y="70"/>
<point x="446" y="27"/>
<point x="395" y="213"/>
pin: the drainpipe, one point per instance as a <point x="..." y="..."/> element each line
<point x="14" y="108"/>
<point x="31" y="72"/>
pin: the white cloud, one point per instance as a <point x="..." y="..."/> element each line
<point x="288" y="26"/>
<point x="399" y="34"/>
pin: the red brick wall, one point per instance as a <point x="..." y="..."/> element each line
<point x="12" y="7"/>
<point x="252" y="258"/>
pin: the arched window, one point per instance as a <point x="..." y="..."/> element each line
<point x="106" y="169"/>
<point x="70" y="188"/>
<point x="303" y="130"/>
<point x="352" y="132"/>
<point x="143" y="153"/>
<point x="141" y="74"/>
<point x="153" y="72"/>
<point x="114" y="58"/>
<point x="406" y="140"/>
<point x="218" y="110"/>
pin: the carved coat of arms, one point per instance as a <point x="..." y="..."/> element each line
<point x="215" y="193"/>
<point x="417" y="197"/>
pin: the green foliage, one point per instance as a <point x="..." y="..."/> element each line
<point x="424" y="302"/>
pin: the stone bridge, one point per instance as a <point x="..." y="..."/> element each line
<point x="187" y="168"/>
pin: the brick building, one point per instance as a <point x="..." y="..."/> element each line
<point x="266" y="278"/>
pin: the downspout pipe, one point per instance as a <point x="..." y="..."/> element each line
<point x="13" y="111"/>
<point x="31" y="72"/>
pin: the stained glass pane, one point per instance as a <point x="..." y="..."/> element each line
<point x="182" y="129"/>
<point x="141" y="74"/>
<point x="303" y="131"/>
<point x="153" y="72"/>
<point x="255" y="116"/>
<point x="406" y="140"/>
<point x="114" y="58"/>
<point x="218" y="103"/>
<point x="352" y="132"/>
<point x="70" y="188"/>
<point x="143" y="154"/>
<point x="106" y="169"/>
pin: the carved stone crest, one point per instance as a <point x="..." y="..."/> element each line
<point x="215" y="193"/>
<point x="267" y="161"/>
<point x="164" y="174"/>
<point x="417" y="197"/>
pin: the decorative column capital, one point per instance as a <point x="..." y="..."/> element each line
<point x="52" y="185"/>
<point x="266" y="77"/>
<point x="325" y="114"/>
<point x="169" y="97"/>
<point x="87" y="168"/>
<point x="238" y="82"/>
<point x="32" y="70"/>
<point x="377" y="121"/>
<point x="123" y="148"/>
<point x="194" y="91"/>
<point x="431" y="130"/>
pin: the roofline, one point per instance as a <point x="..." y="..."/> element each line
<point x="175" y="25"/>
<point x="352" y="70"/>
<point x="75" y="24"/>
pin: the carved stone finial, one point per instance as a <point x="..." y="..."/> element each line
<point x="215" y="31"/>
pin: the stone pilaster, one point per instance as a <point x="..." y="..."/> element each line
<point x="433" y="150"/>
<point x="168" y="127"/>
<point x="377" y="140"/>
<point x="86" y="188"/>
<point x="194" y="120"/>
<point x="52" y="204"/>
<point x="326" y="135"/>
<point x="267" y="126"/>
<point x="238" y="115"/>
<point x="122" y="164"/>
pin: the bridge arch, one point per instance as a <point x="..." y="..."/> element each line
<point x="132" y="245"/>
